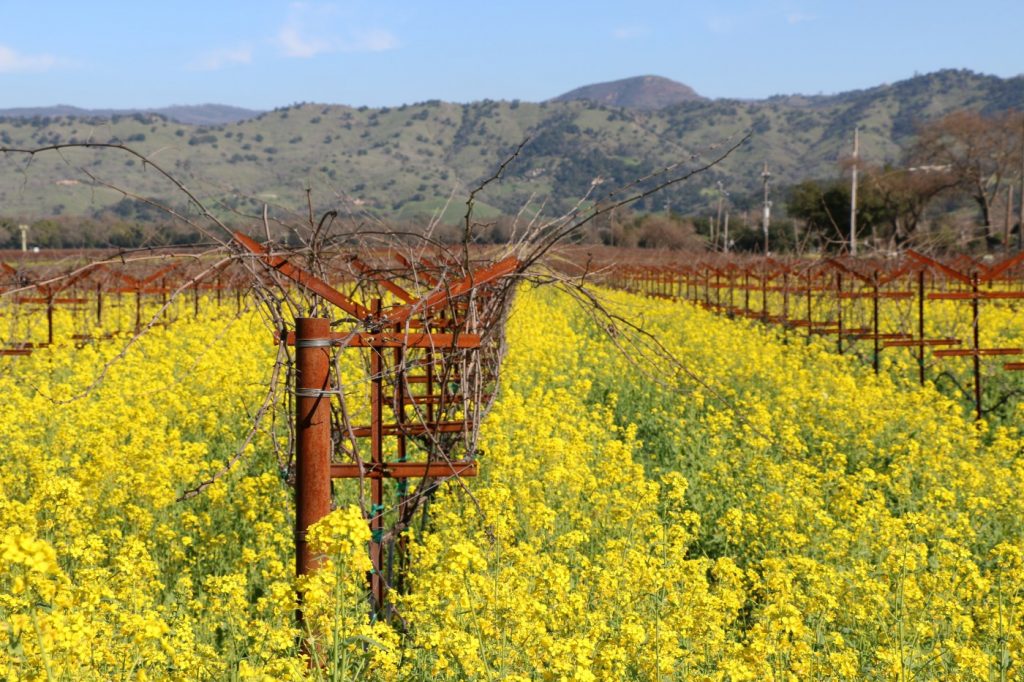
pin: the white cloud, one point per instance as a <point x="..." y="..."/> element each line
<point x="313" y="29"/>
<point x="373" y="40"/>
<point x="220" y="58"/>
<point x="295" y="44"/>
<point x="630" y="32"/>
<point x="12" y="61"/>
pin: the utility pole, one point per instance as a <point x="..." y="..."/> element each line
<point x="767" y="215"/>
<point x="718" y="221"/>
<point x="723" y="229"/>
<point x="853" y="194"/>
<point x="727" y="231"/>
<point x="24" y="237"/>
<point x="1009" y="218"/>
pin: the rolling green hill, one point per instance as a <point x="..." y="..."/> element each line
<point x="407" y="161"/>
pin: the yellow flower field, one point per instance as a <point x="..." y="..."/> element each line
<point x="999" y="327"/>
<point x="781" y="514"/>
<point x="759" y="509"/>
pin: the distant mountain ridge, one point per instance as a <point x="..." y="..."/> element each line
<point x="194" y="114"/>
<point x="408" y="161"/>
<point x="640" y="92"/>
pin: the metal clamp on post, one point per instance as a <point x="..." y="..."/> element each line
<point x="313" y="343"/>
<point x="314" y="393"/>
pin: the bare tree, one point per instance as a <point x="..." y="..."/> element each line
<point x="980" y="153"/>
<point x="900" y="196"/>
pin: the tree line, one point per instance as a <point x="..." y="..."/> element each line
<point x="957" y="186"/>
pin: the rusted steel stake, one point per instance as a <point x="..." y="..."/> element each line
<point x="977" y="355"/>
<point x="764" y="295"/>
<point x="312" y="436"/>
<point x="785" y="299"/>
<point x="839" y="312"/>
<point x="810" y="315"/>
<point x="732" y="294"/>
<point x="163" y="297"/>
<point x="874" y="322"/>
<point x="397" y="577"/>
<point x="138" y="309"/>
<point x="746" y="293"/>
<point x="920" y="325"/>
<point x="99" y="305"/>
<point x="377" y="586"/>
<point x="49" y="319"/>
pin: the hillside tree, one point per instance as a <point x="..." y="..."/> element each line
<point x="981" y="154"/>
<point x="899" y="198"/>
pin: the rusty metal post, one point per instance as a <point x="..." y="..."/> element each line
<point x="810" y="315"/>
<point x="839" y="312"/>
<point x="402" y="397"/>
<point x="785" y="299"/>
<point x="312" y="435"/>
<point x="746" y="293"/>
<point x="49" y="319"/>
<point x="732" y="294"/>
<point x="764" y="294"/>
<point x="977" y="355"/>
<point x="920" y="325"/>
<point x="377" y="586"/>
<point x="874" y="323"/>
<point x="163" y="297"/>
<point x="138" y="309"/>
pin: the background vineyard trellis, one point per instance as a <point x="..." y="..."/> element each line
<point x="933" y="308"/>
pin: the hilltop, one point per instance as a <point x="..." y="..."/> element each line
<point x="642" y="92"/>
<point x="408" y="161"/>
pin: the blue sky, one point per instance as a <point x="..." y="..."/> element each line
<point x="266" y="54"/>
